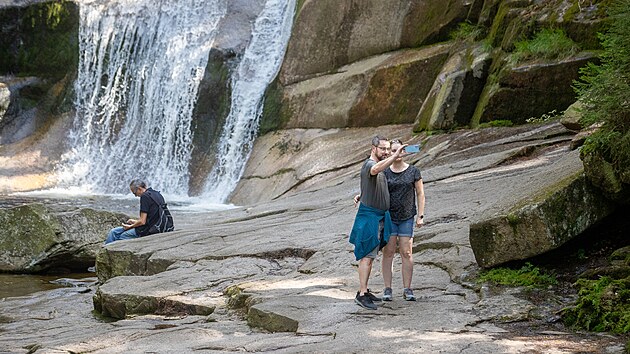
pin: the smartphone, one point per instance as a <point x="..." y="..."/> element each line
<point x="411" y="149"/>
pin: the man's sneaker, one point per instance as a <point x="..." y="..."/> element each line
<point x="387" y="294"/>
<point x="364" y="301"/>
<point x="408" y="295"/>
<point x="373" y="297"/>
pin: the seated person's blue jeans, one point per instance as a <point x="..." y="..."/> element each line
<point x="119" y="233"/>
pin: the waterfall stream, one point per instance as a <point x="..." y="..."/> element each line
<point x="260" y="64"/>
<point x="140" y="66"/>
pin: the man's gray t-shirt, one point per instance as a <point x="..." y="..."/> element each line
<point x="374" y="192"/>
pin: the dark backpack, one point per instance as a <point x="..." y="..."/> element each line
<point x="165" y="222"/>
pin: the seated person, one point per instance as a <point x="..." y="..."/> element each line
<point x="154" y="215"/>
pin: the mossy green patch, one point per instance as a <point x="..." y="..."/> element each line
<point x="528" y="275"/>
<point x="26" y="230"/>
<point x="275" y="113"/>
<point x="497" y="123"/>
<point x="602" y="305"/>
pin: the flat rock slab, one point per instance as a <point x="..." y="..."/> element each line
<point x="280" y="275"/>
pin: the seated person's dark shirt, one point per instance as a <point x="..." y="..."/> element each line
<point x="147" y="205"/>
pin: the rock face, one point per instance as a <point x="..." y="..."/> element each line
<point x="531" y="90"/>
<point x="328" y="34"/>
<point x="385" y="89"/>
<point x="553" y="216"/>
<point x="34" y="238"/>
<point x="302" y="158"/>
<point x="454" y="95"/>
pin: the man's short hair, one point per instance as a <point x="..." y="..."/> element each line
<point x="135" y="183"/>
<point x="377" y="139"/>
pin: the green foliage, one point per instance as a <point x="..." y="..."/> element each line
<point x="544" y="118"/>
<point x="467" y="32"/>
<point x="497" y="123"/>
<point x="528" y="275"/>
<point x="546" y="44"/>
<point x="603" y="305"/>
<point x="605" y="91"/>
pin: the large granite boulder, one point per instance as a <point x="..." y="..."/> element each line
<point x="613" y="182"/>
<point x="546" y="221"/>
<point x="328" y="34"/>
<point x="522" y="91"/>
<point x="385" y="89"/>
<point x="453" y="97"/>
<point x="34" y="237"/>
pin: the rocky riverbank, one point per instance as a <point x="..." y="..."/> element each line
<point x="279" y="275"/>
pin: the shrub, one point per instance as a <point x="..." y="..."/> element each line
<point x="467" y="32"/>
<point x="605" y="91"/>
<point x="546" y="44"/>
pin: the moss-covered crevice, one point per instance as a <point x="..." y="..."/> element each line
<point x="275" y="113"/>
<point x="40" y="40"/>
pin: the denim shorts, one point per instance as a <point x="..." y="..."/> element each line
<point x="402" y="228"/>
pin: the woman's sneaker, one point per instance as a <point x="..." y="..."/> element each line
<point x="364" y="301"/>
<point x="408" y="295"/>
<point x="387" y="294"/>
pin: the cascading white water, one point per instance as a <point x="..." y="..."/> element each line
<point x="141" y="62"/>
<point x="259" y="65"/>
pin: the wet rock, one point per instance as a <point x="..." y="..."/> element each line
<point x="213" y="106"/>
<point x="39" y="38"/>
<point x="5" y="100"/>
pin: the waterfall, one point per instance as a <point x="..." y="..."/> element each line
<point x="259" y="65"/>
<point x="140" y="65"/>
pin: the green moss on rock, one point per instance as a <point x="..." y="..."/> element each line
<point x="27" y="231"/>
<point x="40" y="40"/>
<point x="275" y="114"/>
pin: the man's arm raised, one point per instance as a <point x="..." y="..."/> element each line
<point x="384" y="164"/>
